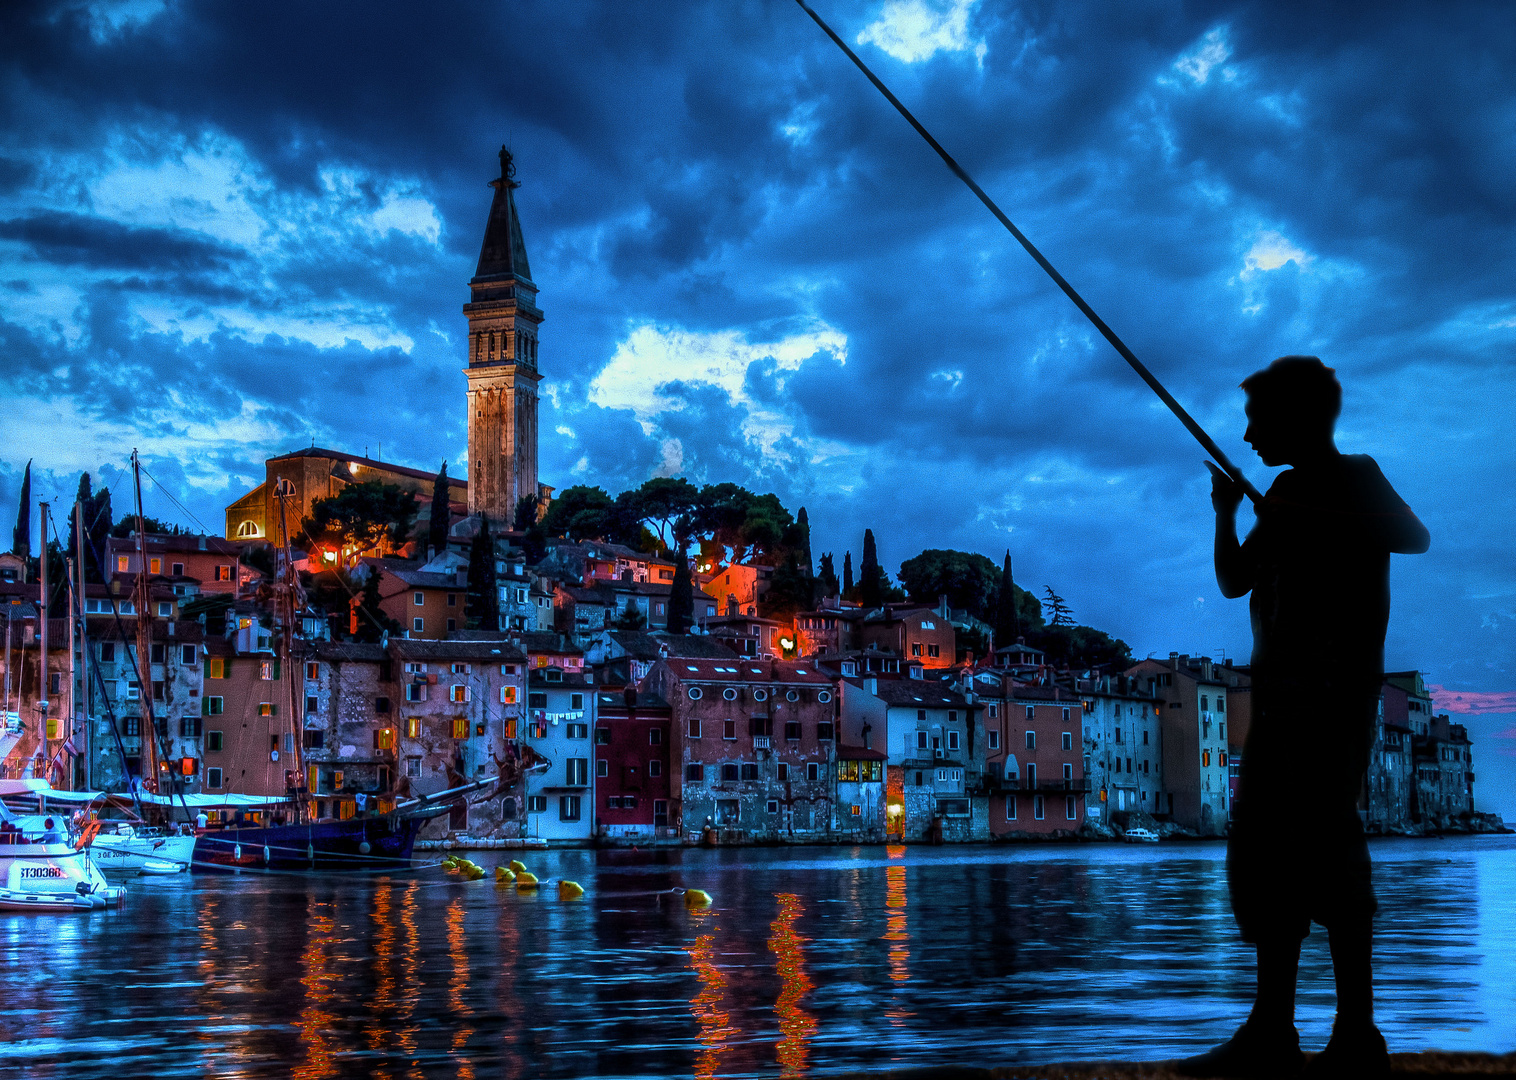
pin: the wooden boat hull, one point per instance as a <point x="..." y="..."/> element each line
<point x="357" y="844"/>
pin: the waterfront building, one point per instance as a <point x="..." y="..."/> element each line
<point x="738" y="588"/>
<point x="861" y="808"/>
<point x="181" y="565"/>
<point x="632" y="768"/>
<point x="1192" y="704"/>
<point x="50" y="743"/>
<point x="626" y="656"/>
<point x="427" y="601"/>
<point x="925" y="728"/>
<point x="1041" y="787"/>
<point x="1389" y="803"/>
<point x="1122" y="745"/>
<point x="755" y="744"/>
<point x="830" y="630"/>
<point x="557" y="760"/>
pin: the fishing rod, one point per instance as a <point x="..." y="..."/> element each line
<point x="1110" y="335"/>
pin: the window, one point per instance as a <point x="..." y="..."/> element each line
<point x="580" y="731"/>
<point x="452" y="624"/>
<point x="381" y="704"/>
<point x="314" y="740"/>
<point x="613" y="802"/>
<point x="931" y="650"/>
<point x="921" y="735"/>
<point x="654" y="768"/>
<point x="994" y="739"/>
<point x="536" y="804"/>
<point x="155" y="566"/>
<point x="311" y="703"/>
<point x="576" y="702"/>
<point x="108" y="652"/>
<point x="952" y="740"/>
<point x="1037" y="807"/>
<point x="507" y="695"/>
<point x="792" y="730"/>
<point x="824" y="731"/>
<point x="418" y="625"/>
<point x="694" y="772"/>
<point x="578" y="771"/>
<point x="458" y="692"/>
<point x="158" y="653"/>
<point x="460" y="727"/>
<point x="1068" y="772"/>
<point x="749" y="770"/>
<point x="537" y="700"/>
<point x="694" y="727"/>
<point x="165" y="609"/>
<point x="123" y="564"/>
<point x="660" y="813"/>
<point x="186" y="654"/>
<point x="1031" y="774"/>
<point x="268" y="670"/>
<point x="1205" y="758"/>
<point x="813" y="770"/>
<point x="213" y="741"/>
<point x="452" y="599"/>
<point x="415" y="691"/>
<point x="413" y="727"/>
<point x="730" y="771"/>
<point x="655" y="736"/>
<point x="1068" y="739"/>
<point x="1068" y="807"/>
<point x="772" y="806"/>
<point x="1144" y="738"/>
<point x="1031" y="740"/>
<point x="915" y="648"/>
<point x="792" y="695"/>
<point x="213" y="706"/>
<point x="760" y="695"/>
<point x="695" y="693"/>
<point x="413" y="767"/>
<point x="1220" y="703"/>
<point x="131" y="725"/>
<point x="189" y="727"/>
<point x="1118" y="735"/>
<point x="729" y="694"/>
<point x="1010" y="808"/>
<point x="223" y="573"/>
<point x="729" y="729"/>
<point x="419" y="599"/>
<point x="213" y="778"/>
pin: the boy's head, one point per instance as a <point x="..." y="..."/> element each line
<point x="1292" y="406"/>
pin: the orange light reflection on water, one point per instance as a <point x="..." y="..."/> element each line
<point x="796" y="1026"/>
<point x="411" y="965"/>
<point x="315" y="1020"/>
<point x="716" y="1029"/>
<point x="384" y="977"/>
<point x="896" y="934"/>
<point x="457" y="985"/>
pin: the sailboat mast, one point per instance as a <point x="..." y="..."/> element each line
<point x="149" y="734"/>
<point x="68" y="731"/>
<point x="81" y="684"/>
<point x="287" y="637"/>
<point x="42" y="702"/>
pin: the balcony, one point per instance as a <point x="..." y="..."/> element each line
<point x="761" y="742"/>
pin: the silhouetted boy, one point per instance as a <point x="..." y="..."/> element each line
<point x="1318" y="566"/>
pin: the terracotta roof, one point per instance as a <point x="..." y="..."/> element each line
<point x="337" y="455"/>
<point x="917" y="692"/>
<point x="494" y="651"/>
<point x="860" y="753"/>
<point x="644" y="646"/>
<point x="693" y="669"/>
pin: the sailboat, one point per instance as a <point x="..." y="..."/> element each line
<point x="44" y="866"/>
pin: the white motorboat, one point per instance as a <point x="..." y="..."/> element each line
<point x="125" y="847"/>
<point x="43" y="867"/>
<point x="1140" y="835"/>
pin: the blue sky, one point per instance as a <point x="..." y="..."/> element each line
<point x="227" y="231"/>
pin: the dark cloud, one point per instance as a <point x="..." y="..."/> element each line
<point x="79" y="239"/>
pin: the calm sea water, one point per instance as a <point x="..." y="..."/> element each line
<point x="811" y="961"/>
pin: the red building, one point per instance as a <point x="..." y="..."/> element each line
<point x="632" y="740"/>
<point x="1044" y="785"/>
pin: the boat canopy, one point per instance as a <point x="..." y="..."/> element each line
<point x="41" y="788"/>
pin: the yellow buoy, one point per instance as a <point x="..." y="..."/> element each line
<point x="696" y="898"/>
<point x="504" y="875"/>
<point x="525" y="879"/>
<point x="570" y="890"/>
<point x="518" y="866"/>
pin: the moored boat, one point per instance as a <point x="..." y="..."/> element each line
<point x="45" y="868"/>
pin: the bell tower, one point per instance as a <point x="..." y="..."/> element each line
<point x="502" y="363"/>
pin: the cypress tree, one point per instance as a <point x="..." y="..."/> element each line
<point x="804" y="523"/>
<point x="847" y="574"/>
<point x="437" y="530"/>
<point x="826" y="577"/>
<point x="84" y="497"/>
<point x="1007" y="607"/>
<point x="21" y="539"/>
<point x="483" y="611"/>
<point x="871" y="579"/>
<point x="681" y="597"/>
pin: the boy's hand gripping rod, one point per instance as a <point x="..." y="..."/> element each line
<point x="1138" y="366"/>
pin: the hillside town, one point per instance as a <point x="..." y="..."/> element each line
<point x="668" y="665"/>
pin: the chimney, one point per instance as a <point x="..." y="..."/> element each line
<point x="873" y="685"/>
<point x="202" y="541"/>
<point x="1174" y="660"/>
<point x="626" y="575"/>
<point x="1205" y="668"/>
<point x="774" y="669"/>
<point x="942" y="605"/>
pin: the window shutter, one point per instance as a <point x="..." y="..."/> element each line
<point x="205" y="706"/>
<point x="276" y="669"/>
<point x="273" y="710"/>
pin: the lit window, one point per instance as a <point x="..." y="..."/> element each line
<point x="460" y="727"/>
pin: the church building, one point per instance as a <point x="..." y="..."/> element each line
<point x="502" y="379"/>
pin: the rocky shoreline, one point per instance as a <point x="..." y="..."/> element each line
<point x="1430" y="1063"/>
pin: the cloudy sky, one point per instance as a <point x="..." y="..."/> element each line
<point x="228" y="231"/>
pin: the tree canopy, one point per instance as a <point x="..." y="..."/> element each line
<point x="440" y="517"/>
<point x="362" y="517"/>
<point x="970" y="581"/>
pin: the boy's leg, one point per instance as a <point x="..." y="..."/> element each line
<point x="1267" y="1045"/>
<point x="1357" y="1050"/>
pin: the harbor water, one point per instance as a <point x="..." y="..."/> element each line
<point x="810" y="961"/>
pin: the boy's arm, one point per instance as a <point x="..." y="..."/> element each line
<point x="1234" y="570"/>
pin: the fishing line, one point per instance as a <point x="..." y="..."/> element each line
<point x="1110" y="335"/>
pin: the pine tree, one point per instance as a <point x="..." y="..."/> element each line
<point x="681" y="597"/>
<point x="872" y="582"/>
<point x="1058" y="610"/>
<point x="441" y="518"/>
<point x="483" y="610"/>
<point x="22" y="538"/>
